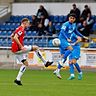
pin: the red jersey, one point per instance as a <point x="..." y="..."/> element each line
<point x="20" y="32"/>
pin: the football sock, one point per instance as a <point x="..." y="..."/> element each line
<point x="59" y="67"/>
<point x="21" y="71"/>
<point x="78" y="67"/>
<point x="58" y="70"/>
<point x="71" y="68"/>
<point x="40" y="56"/>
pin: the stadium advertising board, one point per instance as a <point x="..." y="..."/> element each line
<point x="88" y="58"/>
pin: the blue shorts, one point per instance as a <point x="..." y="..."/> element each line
<point x="63" y="46"/>
<point x="75" y="53"/>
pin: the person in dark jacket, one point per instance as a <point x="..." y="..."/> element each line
<point x="76" y="11"/>
<point x="85" y="12"/>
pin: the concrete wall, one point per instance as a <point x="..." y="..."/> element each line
<point x="3" y="2"/>
<point x="52" y="8"/>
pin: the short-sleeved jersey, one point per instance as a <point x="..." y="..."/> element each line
<point x="67" y="30"/>
<point x="20" y="32"/>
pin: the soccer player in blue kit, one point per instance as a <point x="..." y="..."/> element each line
<point x="74" y="56"/>
<point x="66" y="32"/>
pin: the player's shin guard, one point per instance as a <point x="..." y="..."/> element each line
<point x="38" y="53"/>
<point x="21" y="71"/>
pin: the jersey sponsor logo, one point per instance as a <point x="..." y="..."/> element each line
<point x="19" y="33"/>
<point x="70" y="31"/>
<point x="64" y="27"/>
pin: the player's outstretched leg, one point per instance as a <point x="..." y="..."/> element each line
<point x="46" y="63"/>
<point x="79" y="70"/>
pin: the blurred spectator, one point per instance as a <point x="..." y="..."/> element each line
<point x="34" y="24"/>
<point x="90" y="21"/>
<point x="50" y="29"/>
<point x="84" y="29"/>
<point x="40" y="29"/>
<point x="86" y="25"/>
<point x="85" y="12"/>
<point x="76" y="11"/>
<point x="42" y="12"/>
<point x="42" y="17"/>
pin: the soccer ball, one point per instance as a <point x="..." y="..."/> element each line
<point x="56" y="42"/>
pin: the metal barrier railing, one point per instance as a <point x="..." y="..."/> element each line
<point x="4" y="10"/>
<point x="42" y="41"/>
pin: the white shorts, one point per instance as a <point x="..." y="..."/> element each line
<point x="22" y="55"/>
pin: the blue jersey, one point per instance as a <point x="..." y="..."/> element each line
<point x="67" y="30"/>
<point x="74" y="38"/>
<point x="76" y="48"/>
<point x="76" y="53"/>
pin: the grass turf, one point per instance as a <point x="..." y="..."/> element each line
<point x="44" y="83"/>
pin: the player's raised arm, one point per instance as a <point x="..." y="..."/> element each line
<point x="79" y="34"/>
<point x="79" y="39"/>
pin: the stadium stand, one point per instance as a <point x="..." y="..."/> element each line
<point x="9" y="26"/>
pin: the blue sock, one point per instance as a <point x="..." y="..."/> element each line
<point x="77" y="67"/>
<point x="71" y="68"/>
<point x="66" y="54"/>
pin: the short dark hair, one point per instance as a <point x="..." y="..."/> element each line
<point x="72" y="14"/>
<point x="86" y="6"/>
<point x="74" y="4"/>
<point x="24" y="19"/>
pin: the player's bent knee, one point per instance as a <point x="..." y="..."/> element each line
<point x="74" y="61"/>
<point x="70" y="48"/>
<point x="25" y="62"/>
<point x="34" y="48"/>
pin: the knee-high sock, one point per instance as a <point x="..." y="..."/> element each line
<point x="38" y="53"/>
<point x="78" y="67"/>
<point x="71" y="69"/>
<point x="21" y="71"/>
<point x="59" y="67"/>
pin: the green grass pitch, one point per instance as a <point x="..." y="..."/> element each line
<point x="44" y="83"/>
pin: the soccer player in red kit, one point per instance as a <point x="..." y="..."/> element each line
<point x="20" y="50"/>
